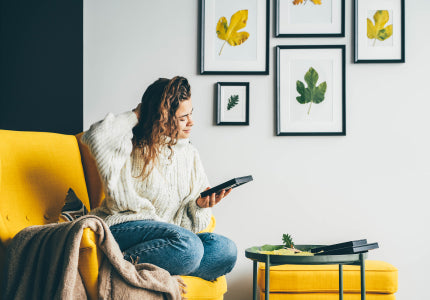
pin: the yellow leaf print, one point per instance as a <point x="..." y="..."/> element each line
<point x="229" y="33"/>
<point x="377" y="30"/>
<point x="316" y="2"/>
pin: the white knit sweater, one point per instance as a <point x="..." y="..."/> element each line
<point x="168" y="193"/>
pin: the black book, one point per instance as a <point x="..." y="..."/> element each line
<point x="339" y="246"/>
<point x="235" y="182"/>
<point x="350" y="250"/>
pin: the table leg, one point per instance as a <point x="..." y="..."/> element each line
<point x="363" y="279"/>
<point x="340" y="282"/>
<point x="254" y="281"/>
<point x="267" y="277"/>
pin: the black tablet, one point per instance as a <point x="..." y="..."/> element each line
<point x="232" y="183"/>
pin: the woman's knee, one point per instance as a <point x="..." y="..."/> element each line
<point x="220" y="247"/>
<point x="190" y="254"/>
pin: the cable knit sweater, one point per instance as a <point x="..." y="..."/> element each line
<point x="168" y="193"/>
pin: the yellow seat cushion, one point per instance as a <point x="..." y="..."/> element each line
<point x="326" y="296"/>
<point x="198" y="288"/>
<point x="381" y="277"/>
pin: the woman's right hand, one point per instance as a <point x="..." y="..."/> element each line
<point x="137" y="110"/>
<point x="213" y="199"/>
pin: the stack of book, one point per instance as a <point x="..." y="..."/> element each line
<point x="351" y="247"/>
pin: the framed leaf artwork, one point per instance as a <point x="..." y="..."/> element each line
<point x="309" y="18"/>
<point x="310" y="94"/>
<point x="379" y="31"/>
<point x="232" y="103"/>
<point x="234" y="37"/>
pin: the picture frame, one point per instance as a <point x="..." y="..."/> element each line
<point x="307" y="75"/>
<point x="379" y="31"/>
<point x="232" y="103"/>
<point x="241" y="23"/>
<point x="309" y="18"/>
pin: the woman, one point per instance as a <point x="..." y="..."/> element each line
<point x="152" y="179"/>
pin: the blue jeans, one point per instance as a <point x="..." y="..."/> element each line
<point x="176" y="249"/>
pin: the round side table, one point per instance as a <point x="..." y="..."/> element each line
<point x="275" y="260"/>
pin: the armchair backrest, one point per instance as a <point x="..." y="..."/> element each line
<point x="36" y="171"/>
<point x="92" y="176"/>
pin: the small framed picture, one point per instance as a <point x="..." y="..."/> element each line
<point x="234" y="37"/>
<point x="379" y="31"/>
<point x="310" y="18"/>
<point x="310" y="97"/>
<point x="232" y="103"/>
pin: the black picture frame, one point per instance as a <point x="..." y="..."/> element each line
<point x="262" y="60"/>
<point x="395" y="52"/>
<point x="223" y="116"/>
<point x="282" y="34"/>
<point x="283" y="100"/>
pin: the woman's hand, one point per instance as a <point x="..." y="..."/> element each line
<point x="137" y="110"/>
<point x="211" y="200"/>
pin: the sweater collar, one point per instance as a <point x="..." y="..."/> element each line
<point x="181" y="143"/>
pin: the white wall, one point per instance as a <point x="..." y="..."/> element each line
<point x="371" y="184"/>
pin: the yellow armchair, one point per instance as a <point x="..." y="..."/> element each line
<point x="36" y="170"/>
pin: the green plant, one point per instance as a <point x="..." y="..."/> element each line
<point x="287" y="240"/>
<point x="232" y="101"/>
<point x="311" y="94"/>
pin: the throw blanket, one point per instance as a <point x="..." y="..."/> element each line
<point x="42" y="263"/>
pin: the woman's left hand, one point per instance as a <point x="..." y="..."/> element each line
<point x="213" y="199"/>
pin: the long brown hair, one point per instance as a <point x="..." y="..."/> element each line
<point x="157" y="125"/>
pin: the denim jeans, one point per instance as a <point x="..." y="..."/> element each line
<point x="176" y="249"/>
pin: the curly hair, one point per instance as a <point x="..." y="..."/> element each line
<point x="157" y="124"/>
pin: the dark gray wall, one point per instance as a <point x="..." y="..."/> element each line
<point x="41" y="65"/>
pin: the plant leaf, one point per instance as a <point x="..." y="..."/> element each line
<point x="316" y="2"/>
<point x="385" y="33"/>
<point x="311" y="93"/>
<point x="287" y="240"/>
<point x="381" y="17"/>
<point x="371" y="29"/>
<point x="221" y="28"/>
<point x="378" y="31"/>
<point x="238" y="38"/>
<point x="304" y="95"/>
<point x="232" y="101"/>
<point x="229" y="33"/>
<point x="270" y="247"/>
<point x="319" y="92"/>
<point x="311" y="77"/>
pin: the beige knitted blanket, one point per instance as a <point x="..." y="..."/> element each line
<point x="42" y="263"/>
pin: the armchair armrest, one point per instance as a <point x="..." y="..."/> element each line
<point x="211" y="226"/>
<point x="90" y="258"/>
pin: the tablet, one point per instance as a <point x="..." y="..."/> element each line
<point x="232" y="183"/>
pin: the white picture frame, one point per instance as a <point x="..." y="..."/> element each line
<point x="310" y="96"/>
<point x="232" y="103"/>
<point x="251" y="54"/>
<point x="379" y="31"/>
<point x="309" y="18"/>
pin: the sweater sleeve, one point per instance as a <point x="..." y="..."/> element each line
<point x="109" y="141"/>
<point x="194" y="217"/>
